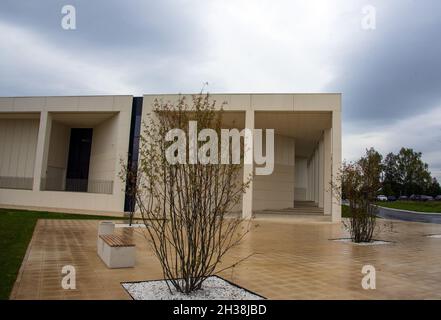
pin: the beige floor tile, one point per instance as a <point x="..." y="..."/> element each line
<point x="292" y="260"/>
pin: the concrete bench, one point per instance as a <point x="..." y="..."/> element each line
<point x="116" y="251"/>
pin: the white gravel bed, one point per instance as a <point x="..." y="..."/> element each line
<point x="213" y="288"/>
<point x="372" y="243"/>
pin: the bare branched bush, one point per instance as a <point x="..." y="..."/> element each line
<point x="360" y="182"/>
<point x="129" y="174"/>
<point x="186" y="206"/>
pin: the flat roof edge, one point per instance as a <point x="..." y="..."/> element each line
<point x="71" y="96"/>
<point x="252" y="94"/>
<point x="174" y="94"/>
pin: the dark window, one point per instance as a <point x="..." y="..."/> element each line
<point x="79" y="159"/>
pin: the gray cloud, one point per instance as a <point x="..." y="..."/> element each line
<point x="388" y="77"/>
<point x="392" y="72"/>
<point x="161" y="27"/>
<point x="143" y="43"/>
<point x="391" y="79"/>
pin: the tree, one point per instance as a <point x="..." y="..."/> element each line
<point x="372" y="169"/>
<point x="412" y="172"/>
<point x="184" y="205"/>
<point x="434" y="188"/>
<point x="405" y="174"/>
<point x="391" y="176"/>
<point x="361" y="181"/>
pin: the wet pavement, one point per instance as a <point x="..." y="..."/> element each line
<point x="290" y="259"/>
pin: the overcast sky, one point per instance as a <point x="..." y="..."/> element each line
<point x="390" y="76"/>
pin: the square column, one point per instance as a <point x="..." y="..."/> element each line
<point x="311" y="180"/>
<point x="248" y="170"/>
<point x="316" y="177"/>
<point x="308" y="183"/>
<point x="327" y="174"/>
<point x="336" y="164"/>
<point x="41" y="155"/>
<point x="321" y="172"/>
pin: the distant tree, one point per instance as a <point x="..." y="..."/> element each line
<point x="402" y="174"/>
<point x="372" y="168"/>
<point x="413" y="173"/>
<point x="435" y="188"/>
<point x="391" y="176"/>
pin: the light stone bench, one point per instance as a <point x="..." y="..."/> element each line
<point x="116" y="251"/>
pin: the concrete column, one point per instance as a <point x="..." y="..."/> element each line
<point x="313" y="177"/>
<point x="316" y="179"/>
<point x="43" y="141"/>
<point x="336" y="163"/>
<point x="321" y="171"/>
<point x="309" y="182"/>
<point x="327" y="173"/>
<point x="294" y="173"/>
<point x="310" y="187"/>
<point x="248" y="170"/>
<point x="123" y="127"/>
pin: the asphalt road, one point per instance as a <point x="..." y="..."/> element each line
<point x="409" y="216"/>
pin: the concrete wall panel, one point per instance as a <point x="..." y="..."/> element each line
<point x="116" y="138"/>
<point x="301" y="179"/>
<point x="276" y="191"/>
<point x="18" y="141"/>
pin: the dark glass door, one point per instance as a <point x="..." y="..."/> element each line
<point x="79" y="159"/>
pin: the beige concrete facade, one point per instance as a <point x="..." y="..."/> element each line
<point x="34" y="149"/>
<point x="307" y="147"/>
<point x="18" y="143"/>
<point x="35" y="134"/>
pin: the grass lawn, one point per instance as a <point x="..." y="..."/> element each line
<point x="16" y="228"/>
<point x="426" y="206"/>
<point x="345" y="212"/>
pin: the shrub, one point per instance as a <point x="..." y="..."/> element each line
<point x="360" y="183"/>
<point x="185" y="206"/>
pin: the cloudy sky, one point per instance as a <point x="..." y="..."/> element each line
<point x="390" y="76"/>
